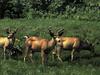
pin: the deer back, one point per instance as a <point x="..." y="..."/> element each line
<point x="68" y="42"/>
<point x="36" y="43"/>
<point x="4" y="41"/>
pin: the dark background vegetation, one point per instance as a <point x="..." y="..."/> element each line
<point x="76" y="9"/>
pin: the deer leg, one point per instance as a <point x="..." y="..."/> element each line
<point x="30" y="57"/>
<point x="72" y="54"/>
<point x="46" y="58"/>
<point x="54" y="54"/>
<point x="25" y="54"/>
<point x="43" y="57"/>
<point x="75" y="45"/>
<point x="59" y="58"/>
<point x="4" y="53"/>
<point x="10" y="53"/>
<point x="53" y="57"/>
<point x="58" y="55"/>
<point x="24" y="59"/>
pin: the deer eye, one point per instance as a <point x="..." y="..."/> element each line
<point x="58" y="40"/>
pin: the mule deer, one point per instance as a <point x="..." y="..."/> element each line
<point x="7" y="42"/>
<point x="37" y="44"/>
<point x="71" y="43"/>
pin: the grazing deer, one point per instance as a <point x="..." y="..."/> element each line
<point x="70" y="43"/>
<point x="16" y="52"/>
<point x="37" y="44"/>
<point x="8" y="42"/>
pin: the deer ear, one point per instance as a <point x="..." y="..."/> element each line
<point x="60" y="32"/>
<point x="26" y="36"/>
<point x="51" y="32"/>
<point x="87" y="40"/>
<point x="8" y="30"/>
<point x="15" y="30"/>
<point x="96" y="42"/>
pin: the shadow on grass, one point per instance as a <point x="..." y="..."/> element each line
<point x="85" y="60"/>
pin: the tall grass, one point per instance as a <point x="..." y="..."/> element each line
<point x="38" y="27"/>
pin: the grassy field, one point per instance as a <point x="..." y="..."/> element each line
<point x="86" y="65"/>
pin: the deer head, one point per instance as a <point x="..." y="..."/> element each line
<point x="57" y="36"/>
<point x="11" y="34"/>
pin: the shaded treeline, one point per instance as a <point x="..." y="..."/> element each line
<point x="49" y="8"/>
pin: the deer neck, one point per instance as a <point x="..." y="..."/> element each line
<point x="11" y="40"/>
<point x="52" y="43"/>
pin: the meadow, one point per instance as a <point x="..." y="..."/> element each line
<point x="86" y="65"/>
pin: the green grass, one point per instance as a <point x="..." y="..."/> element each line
<point x="84" y="66"/>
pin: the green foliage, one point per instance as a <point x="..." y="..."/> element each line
<point x="76" y="9"/>
<point x="55" y="6"/>
<point x="3" y="7"/>
<point x="17" y="8"/>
